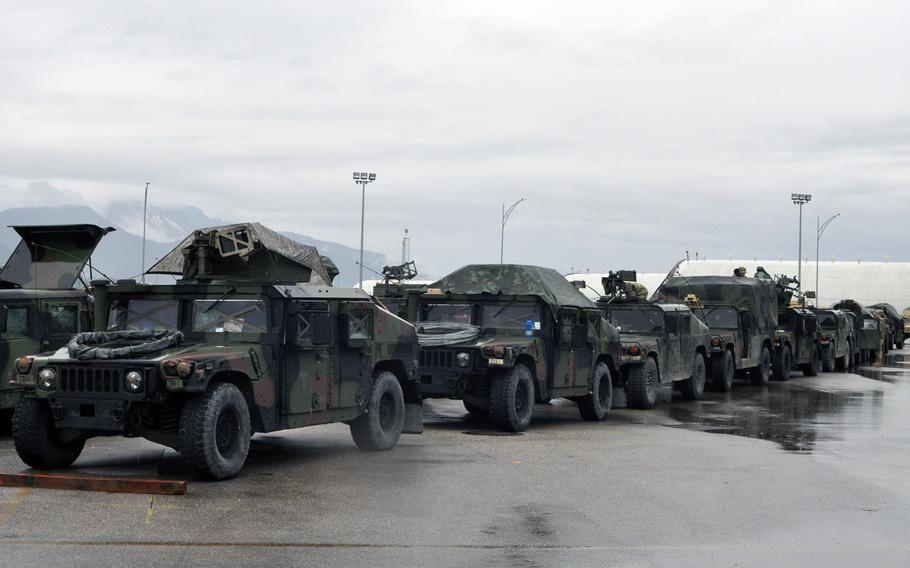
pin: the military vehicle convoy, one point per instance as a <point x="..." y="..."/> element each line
<point x="740" y="313"/>
<point x="661" y="342"/>
<point x="39" y="307"/>
<point x="251" y="338"/>
<point x="896" y="325"/>
<point x="837" y="338"/>
<point x="499" y="337"/>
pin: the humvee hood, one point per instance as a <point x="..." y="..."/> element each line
<point x="513" y="280"/>
<point x="50" y="257"/>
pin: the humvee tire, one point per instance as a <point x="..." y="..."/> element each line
<point x="641" y="385"/>
<point x="784" y="362"/>
<point x="722" y="371"/>
<point x="828" y="361"/>
<point x="899" y="344"/>
<point x="476" y="410"/>
<point x="35" y="437"/>
<point x="379" y="428"/>
<point x="761" y="375"/>
<point x="693" y="388"/>
<point x="512" y="399"/>
<point x="214" y="434"/>
<point x="811" y="369"/>
<point x="595" y="407"/>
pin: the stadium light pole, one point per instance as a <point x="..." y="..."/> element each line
<point x="362" y="179"/>
<point x="800" y="199"/>
<point x="819" y="230"/>
<point x="505" y="217"/>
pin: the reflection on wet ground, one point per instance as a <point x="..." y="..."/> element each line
<point x="799" y="414"/>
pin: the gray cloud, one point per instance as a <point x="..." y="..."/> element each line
<point x="635" y="130"/>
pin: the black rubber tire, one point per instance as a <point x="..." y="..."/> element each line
<point x="784" y="364"/>
<point x="829" y="360"/>
<point x="899" y="344"/>
<point x="886" y="346"/>
<point x="812" y="368"/>
<point x="722" y="371"/>
<point x="641" y="385"/>
<point x="693" y="388"/>
<point x="379" y="428"/>
<point x="761" y="375"/>
<point x="512" y="399"/>
<point x="595" y="407"/>
<point x="476" y="410"/>
<point x="840" y="363"/>
<point x="214" y="434"/>
<point x="35" y="437"/>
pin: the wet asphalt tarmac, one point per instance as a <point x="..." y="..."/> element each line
<point x="812" y="472"/>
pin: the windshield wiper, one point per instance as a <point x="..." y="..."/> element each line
<point x="227" y="292"/>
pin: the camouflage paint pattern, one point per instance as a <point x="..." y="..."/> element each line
<point x="836" y="333"/>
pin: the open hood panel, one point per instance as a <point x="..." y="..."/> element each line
<point x="50" y="256"/>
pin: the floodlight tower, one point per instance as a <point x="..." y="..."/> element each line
<point x="800" y="199"/>
<point x="362" y="178"/>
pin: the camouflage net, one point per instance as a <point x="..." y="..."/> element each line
<point x="438" y="333"/>
<point x="121" y="344"/>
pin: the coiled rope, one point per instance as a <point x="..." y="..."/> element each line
<point x="121" y="344"/>
<point x="438" y="333"/>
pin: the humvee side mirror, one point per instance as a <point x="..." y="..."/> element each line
<point x="579" y="335"/>
<point x="320" y="328"/>
<point x="565" y="335"/>
<point x="4" y="311"/>
<point x="747" y="319"/>
<point x="810" y="294"/>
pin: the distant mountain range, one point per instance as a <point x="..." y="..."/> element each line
<point x="119" y="254"/>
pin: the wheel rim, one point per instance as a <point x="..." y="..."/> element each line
<point x="227" y="433"/>
<point x="386" y="412"/>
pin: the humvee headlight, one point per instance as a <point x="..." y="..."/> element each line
<point x="47" y="379"/>
<point x="715" y="342"/>
<point x="23" y="365"/>
<point x="133" y="381"/>
<point x="184" y="369"/>
<point x="463" y="359"/>
<point x="499" y="351"/>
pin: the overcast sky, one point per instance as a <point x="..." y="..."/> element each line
<point x="636" y="130"/>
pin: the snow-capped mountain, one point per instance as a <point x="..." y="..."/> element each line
<point x="163" y="225"/>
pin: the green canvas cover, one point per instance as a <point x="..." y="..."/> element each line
<point x="514" y="280"/>
<point x="890" y="310"/>
<point x="264" y="253"/>
<point x="753" y="294"/>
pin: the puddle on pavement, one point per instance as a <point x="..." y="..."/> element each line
<point x="800" y="414"/>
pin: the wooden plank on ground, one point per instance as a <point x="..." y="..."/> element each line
<point x="88" y="483"/>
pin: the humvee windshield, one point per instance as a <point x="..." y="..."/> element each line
<point x="510" y="317"/>
<point x="721" y="317"/>
<point x="827" y="321"/>
<point x="17" y="322"/>
<point x="138" y="313"/>
<point x="231" y="316"/>
<point x="460" y="313"/>
<point x="870" y="323"/>
<point x="646" y="321"/>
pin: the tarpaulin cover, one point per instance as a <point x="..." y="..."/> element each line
<point x="757" y="296"/>
<point x="514" y="280"/>
<point x="264" y="240"/>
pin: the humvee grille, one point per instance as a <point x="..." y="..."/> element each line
<point x="437" y="358"/>
<point x="89" y="380"/>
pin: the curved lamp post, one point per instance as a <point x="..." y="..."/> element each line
<point x="819" y="230"/>
<point x="506" y="213"/>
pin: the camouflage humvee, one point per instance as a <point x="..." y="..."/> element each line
<point x="837" y="338"/>
<point x="867" y="328"/>
<point x="499" y="337"/>
<point x="740" y="313"/>
<point x="896" y="325"/>
<point x="252" y="338"/>
<point x="39" y="308"/>
<point x="661" y="343"/>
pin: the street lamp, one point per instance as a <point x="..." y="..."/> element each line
<point x="505" y="217"/>
<point x="362" y="178"/>
<point x="800" y="199"/>
<point x="145" y="206"/>
<point x="819" y="230"/>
